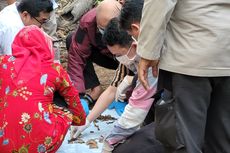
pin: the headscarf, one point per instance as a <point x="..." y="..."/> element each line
<point x="31" y="49"/>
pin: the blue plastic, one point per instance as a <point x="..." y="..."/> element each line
<point x="118" y="106"/>
<point x="112" y="105"/>
<point x="85" y="106"/>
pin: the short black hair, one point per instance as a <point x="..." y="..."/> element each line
<point x="131" y="12"/>
<point x="114" y="35"/>
<point x="34" y="7"/>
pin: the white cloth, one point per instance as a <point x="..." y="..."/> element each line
<point x="194" y="34"/>
<point x="10" y="25"/>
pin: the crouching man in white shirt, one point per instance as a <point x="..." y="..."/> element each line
<point x="19" y="14"/>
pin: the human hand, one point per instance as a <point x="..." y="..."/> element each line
<point x="122" y="88"/>
<point x="75" y="131"/>
<point x="118" y="106"/>
<point x="143" y="67"/>
<point x="112" y="105"/>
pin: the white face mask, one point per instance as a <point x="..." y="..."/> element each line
<point x="124" y="59"/>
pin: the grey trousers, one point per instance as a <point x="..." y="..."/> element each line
<point x="199" y="110"/>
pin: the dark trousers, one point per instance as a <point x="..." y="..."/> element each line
<point x="201" y="110"/>
<point x="142" y="141"/>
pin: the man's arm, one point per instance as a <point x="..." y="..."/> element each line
<point x="155" y="17"/>
<point x="78" y="53"/>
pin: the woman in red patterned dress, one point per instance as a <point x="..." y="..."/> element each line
<point x="29" y="120"/>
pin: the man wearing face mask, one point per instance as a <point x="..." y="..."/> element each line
<point x="141" y="100"/>
<point x="129" y="19"/>
<point x="86" y="47"/>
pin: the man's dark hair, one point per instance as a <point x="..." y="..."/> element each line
<point x="131" y="12"/>
<point x="114" y="35"/>
<point x="34" y="7"/>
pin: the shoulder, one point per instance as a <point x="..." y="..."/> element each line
<point x="89" y="18"/>
<point x="9" y="11"/>
<point x="10" y="18"/>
